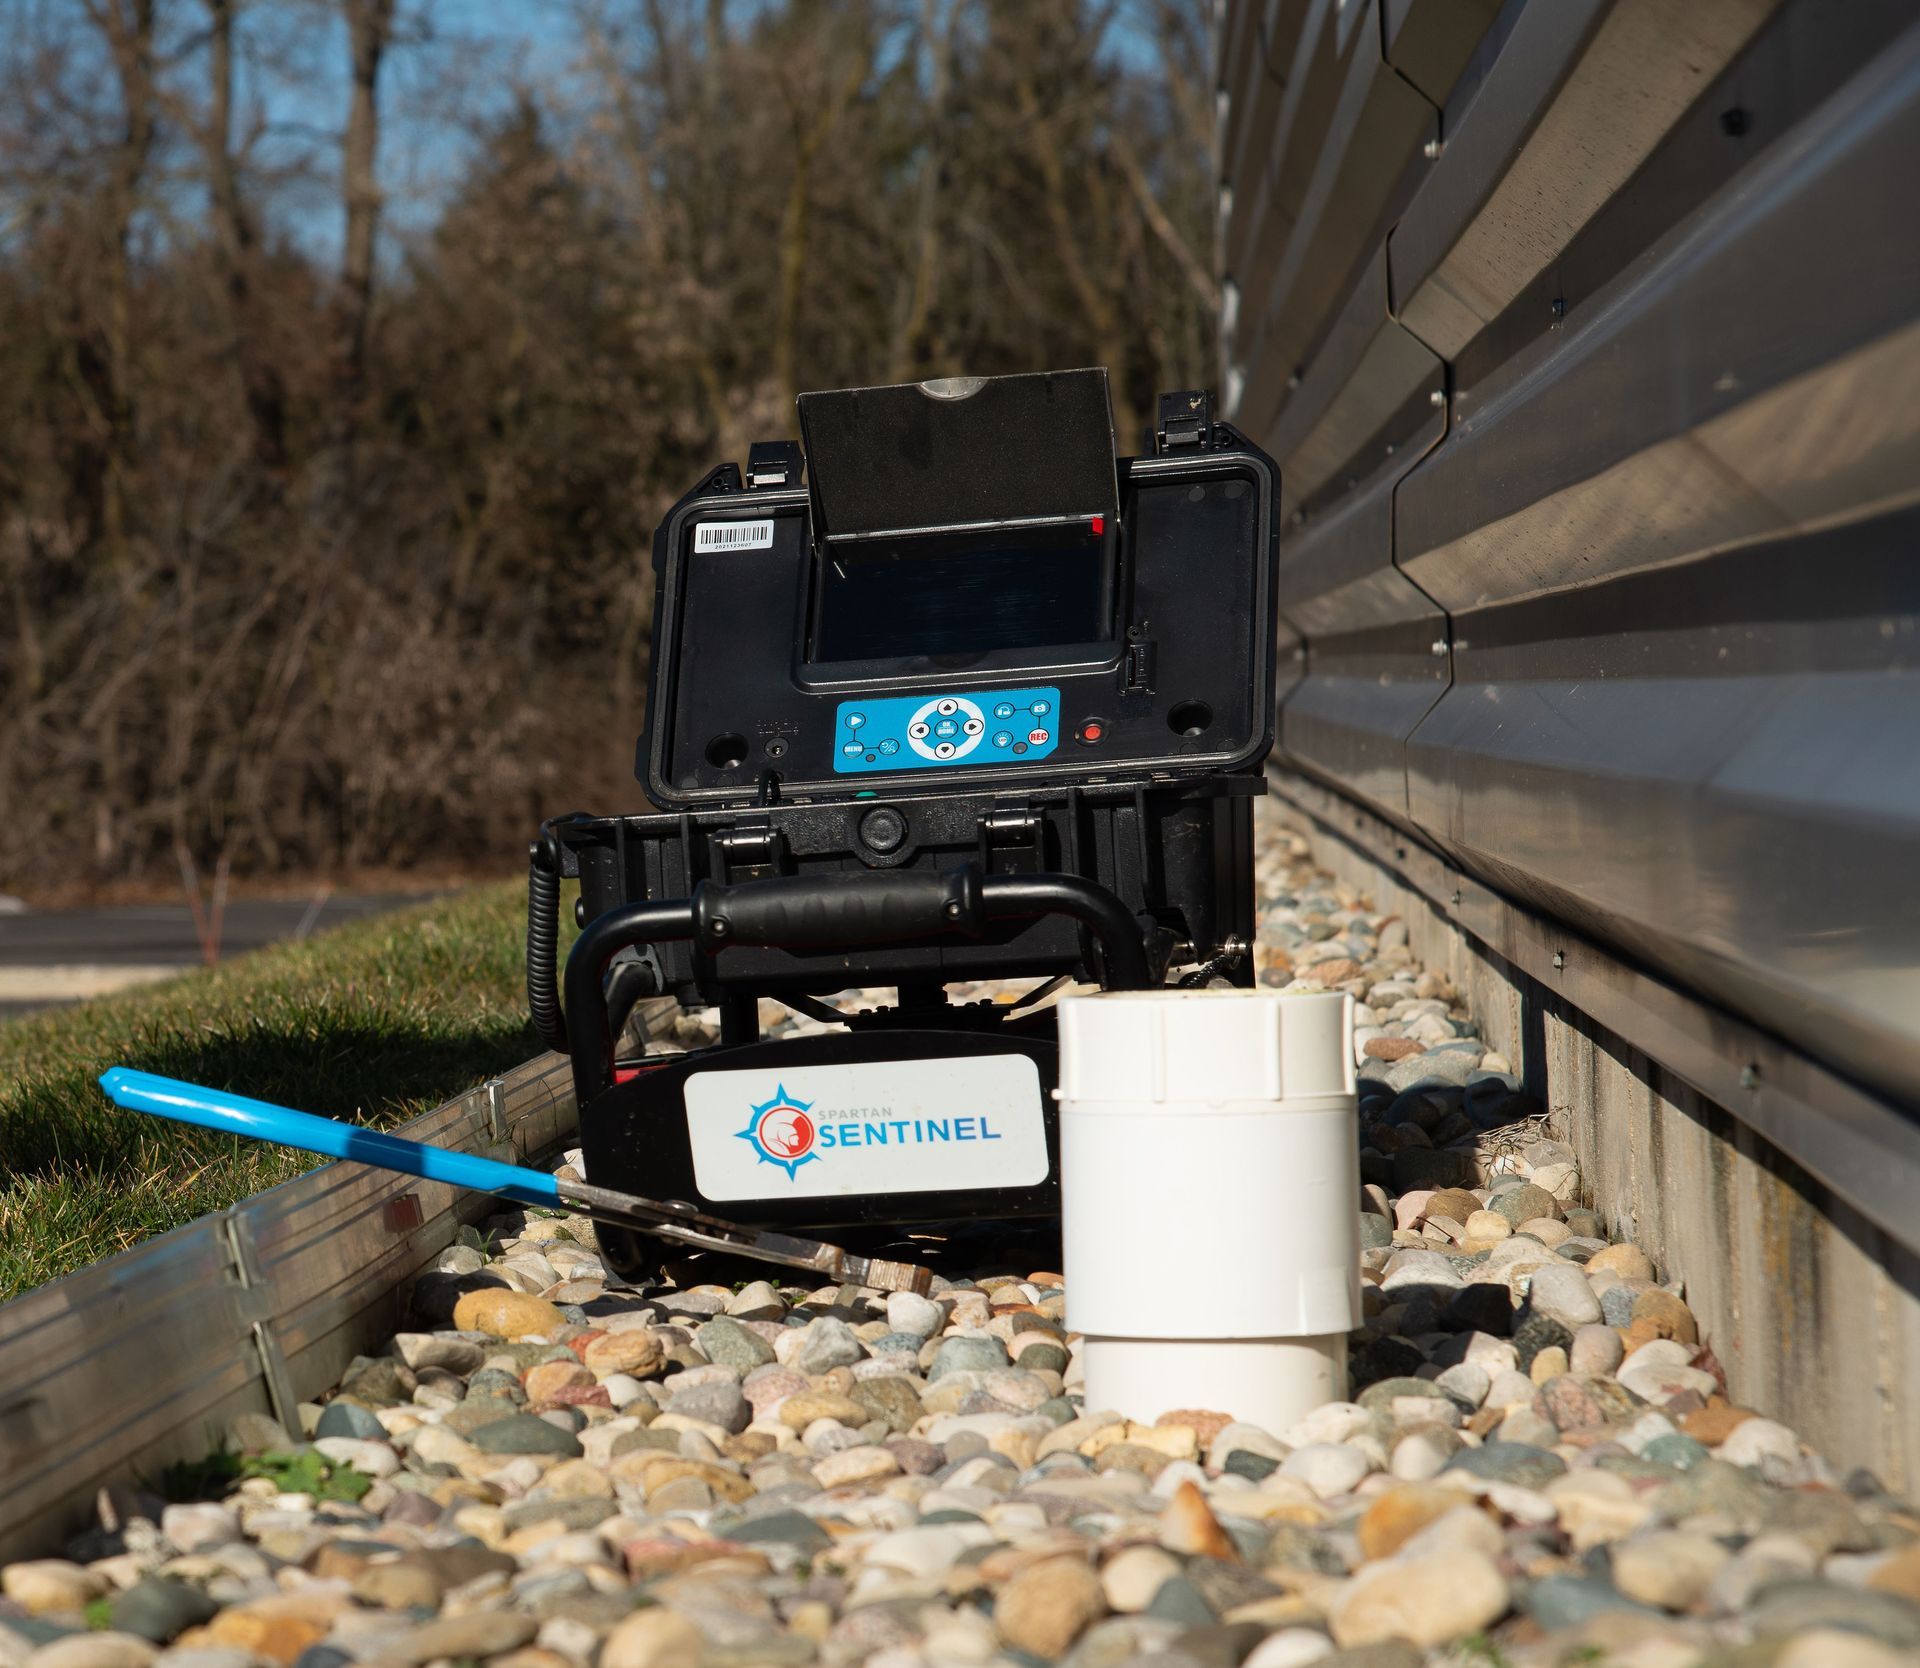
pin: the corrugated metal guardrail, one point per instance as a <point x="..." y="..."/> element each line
<point x="1587" y="334"/>
<point x="143" y="1359"/>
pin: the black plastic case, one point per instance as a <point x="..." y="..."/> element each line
<point x="796" y="858"/>
<point x="1179" y="686"/>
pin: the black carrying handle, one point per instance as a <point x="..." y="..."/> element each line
<point x="832" y="912"/>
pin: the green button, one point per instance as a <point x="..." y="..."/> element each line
<point x="867" y="793"/>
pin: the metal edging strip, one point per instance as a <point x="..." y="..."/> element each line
<point x="143" y="1357"/>
<point x="1862" y="1149"/>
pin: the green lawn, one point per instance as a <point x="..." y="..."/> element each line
<point x="375" y="1021"/>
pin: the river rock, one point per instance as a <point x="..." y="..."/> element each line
<point x="1425" y="1600"/>
<point x="1400" y="1513"/>
<point x="1595" y="1349"/>
<point x="1134" y="1575"/>
<point x="825" y="1344"/>
<point x="473" y="1633"/>
<point x="1564" y="1295"/>
<point x="1753" y="1441"/>
<point x="503" y="1313"/>
<point x="966" y="1355"/>
<point x="1045" y="1607"/>
<point x="1834" y="1647"/>
<point x="95" y="1650"/>
<point x="1628" y="1261"/>
<point x="713" y="1404"/>
<point x="1523" y="1203"/>
<point x="638" y="1352"/>
<point x="732" y="1344"/>
<point x="1414" y="1268"/>
<point x="1536" y="1332"/>
<point x="855" y="1466"/>
<point x="1659" y="1314"/>
<point x="525" y="1433"/>
<point x="654" y="1638"/>
<point x="799" y="1411"/>
<point x="1517" y="1463"/>
<point x="1668" y="1569"/>
<point x="891" y="1399"/>
<point x="160" y="1610"/>
<point x="48" y="1586"/>
<point x="1328" y="1468"/>
<point x="1788" y="1607"/>
<point x="916" y="1316"/>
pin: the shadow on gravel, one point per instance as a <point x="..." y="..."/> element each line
<point x="958" y="1250"/>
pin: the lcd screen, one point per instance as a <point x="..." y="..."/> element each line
<point x="946" y="595"/>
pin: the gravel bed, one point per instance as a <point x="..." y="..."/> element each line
<point x="1540" y="1466"/>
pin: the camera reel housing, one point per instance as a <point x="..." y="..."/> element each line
<point x="976" y="700"/>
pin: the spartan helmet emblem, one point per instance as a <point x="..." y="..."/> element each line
<point x="781" y="1132"/>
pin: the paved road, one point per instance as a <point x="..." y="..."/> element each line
<point x="65" y="954"/>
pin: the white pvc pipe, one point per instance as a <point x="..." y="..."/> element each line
<point x="1210" y="1183"/>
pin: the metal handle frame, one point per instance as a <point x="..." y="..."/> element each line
<point x="969" y="906"/>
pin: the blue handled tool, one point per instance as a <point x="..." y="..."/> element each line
<point x="188" y="1103"/>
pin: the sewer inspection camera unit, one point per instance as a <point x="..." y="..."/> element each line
<point x="957" y="695"/>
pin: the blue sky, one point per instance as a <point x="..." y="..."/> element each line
<point x="455" y="64"/>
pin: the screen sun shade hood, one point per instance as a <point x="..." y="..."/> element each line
<point x="961" y="452"/>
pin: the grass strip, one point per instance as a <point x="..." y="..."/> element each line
<point x="374" y="1021"/>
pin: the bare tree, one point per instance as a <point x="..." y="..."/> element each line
<point x="637" y="266"/>
<point x="235" y="238"/>
<point x="911" y="345"/>
<point x="127" y="28"/>
<point x="815" y="110"/>
<point x="369" y="29"/>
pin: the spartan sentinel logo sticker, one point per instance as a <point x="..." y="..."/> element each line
<point x="788" y="1132"/>
<point x="780" y="1131"/>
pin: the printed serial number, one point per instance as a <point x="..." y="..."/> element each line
<point x="733" y="535"/>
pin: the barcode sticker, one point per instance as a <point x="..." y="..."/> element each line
<point x="733" y="535"/>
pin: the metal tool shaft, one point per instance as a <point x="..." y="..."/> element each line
<point x="667" y="1219"/>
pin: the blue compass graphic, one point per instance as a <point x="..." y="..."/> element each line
<point x="781" y="1133"/>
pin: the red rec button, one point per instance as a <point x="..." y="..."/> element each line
<point x="1036" y="736"/>
<point x="1092" y="731"/>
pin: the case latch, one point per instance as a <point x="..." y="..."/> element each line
<point x="1138" y="663"/>
<point x="1186" y="422"/>
<point x="774" y="463"/>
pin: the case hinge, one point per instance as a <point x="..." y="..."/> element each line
<point x="1012" y="841"/>
<point x="751" y="850"/>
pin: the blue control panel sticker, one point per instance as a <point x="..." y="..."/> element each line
<point x="918" y="732"/>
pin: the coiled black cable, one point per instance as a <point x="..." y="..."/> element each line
<point x="543" y="948"/>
